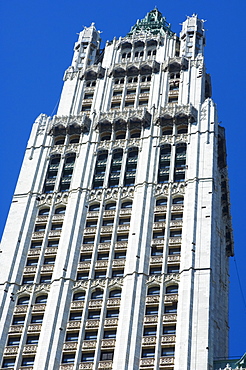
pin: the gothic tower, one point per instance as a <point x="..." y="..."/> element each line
<point x="115" y="252"/>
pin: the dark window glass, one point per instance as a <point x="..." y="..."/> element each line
<point x="13" y="341"/>
<point x="72" y="337"/>
<point x="167" y="351"/>
<point x="179" y="200"/>
<point x="109" y="334"/>
<point x="85" y="257"/>
<point x="149" y="330"/>
<point x="150" y="352"/>
<point x="98" y="294"/>
<point x="32" y="262"/>
<point x="155" y="270"/>
<point x="90" y="335"/>
<point x="18" y="320"/>
<point x="28" y="280"/>
<point x="171" y="309"/>
<point x="32" y="339"/>
<point x="37" y="319"/>
<point x="41" y="299"/>
<point x="60" y="210"/>
<point x="126" y="204"/>
<point x="45" y="279"/>
<point x="119" y="255"/>
<point x="173" y="269"/>
<point x="118" y="273"/>
<point x="172" y="289"/>
<point x="110" y="206"/>
<point x="161" y="202"/>
<point x="80" y="296"/>
<point x="82" y="275"/>
<point x="94" y="314"/>
<point x="112" y="313"/>
<point x="8" y="362"/>
<point x="169" y="329"/>
<point x="75" y="316"/>
<point x="155" y="290"/>
<point x="100" y="274"/>
<point x="44" y="211"/>
<point x="116" y="293"/>
<point x="23" y="300"/>
<point x="87" y="357"/>
<point x="68" y="358"/>
<point x="152" y="310"/>
<point x="28" y="361"/>
<point x="102" y="256"/>
<point x="107" y="356"/>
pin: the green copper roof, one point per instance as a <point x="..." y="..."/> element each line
<point x="153" y="23"/>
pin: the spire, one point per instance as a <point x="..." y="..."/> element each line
<point x="153" y="23"/>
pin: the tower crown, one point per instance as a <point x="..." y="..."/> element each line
<point x="153" y="23"/>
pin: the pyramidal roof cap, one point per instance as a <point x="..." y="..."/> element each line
<point x="153" y="23"/>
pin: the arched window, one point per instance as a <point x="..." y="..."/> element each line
<point x="42" y="299"/>
<point x="23" y="300"/>
<point x="67" y="172"/>
<point x="167" y="131"/>
<point x="44" y="212"/>
<point x="180" y="163"/>
<point x="110" y="206"/>
<point x="182" y="130"/>
<point x="172" y="289"/>
<point x="97" y="294"/>
<point x="164" y="164"/>
<point x="155" y="290"/>
<point x="116" y="293"/>
<point x="59" y="140"/>
<point x="161" y="202"/>
<point x="120" y="135"/>
<point x="52" y="174"/>
<point x="105" y="136"/>
<point x="80" y="296"/>
<point x="100" y="169"/>
<point x="131" y="167"/>
<point x="60" y="210"/>
<point x="74" y="139"/>
<point x="94" y="207"/>
<point x="135" y="134"/>
<point x="178" y="200"/>
<point x="127" y="204"/>
<point x="114" y="176"/>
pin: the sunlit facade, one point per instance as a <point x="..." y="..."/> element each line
<point x="115" y="252"/>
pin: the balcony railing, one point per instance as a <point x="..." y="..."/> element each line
<point x="38" y="307"/>
<point x="173" y="258"/>
<point x="77" y="304"/>
<point x="11" y="350"/>
<point x="149" y="319"/>
<point x="110" y="322"/>
<point x="30" y="348"/>
<point x="108" y="343"/>
<point x="113" y="302"/>
<point x="152" y="299"/>
<point x="21" y="309"/>
<point x="168" y="339"/>
<point x="92" y="323"/>
<point x="95" y="303"/>
<point x="166" y="361"/>
<point x="16" y="329"/>
<point x="34" y="328"/>
<point x="70" y="346"/>
<point x="149" y="341"/>
<point x="85" y="365"/>
<point x="171" y="298"/>
<point x="170" y="317"/>
<point x="146" y="362"/>
<point x="73" y="324"/>
<point x="103" y="365"/>
<point x="89" y="344"/>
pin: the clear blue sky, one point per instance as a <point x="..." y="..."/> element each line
<point x="37" y="39"/>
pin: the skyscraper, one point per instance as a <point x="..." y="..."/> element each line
<point x="115" y="252"/>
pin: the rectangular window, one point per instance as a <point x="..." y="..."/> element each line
<point x="143" y="102"/>
<point x="109" y="334"/>
<point x="87" y="357"/>
<point x="32" y="339"/>
<point x="45" y="279"/>
<point x="152" y="310"/>
<point x="169" y="329"/>
<point x="149" y="330"/>
<point x="112" y="313"/>
<point x="28" y="280"/>
<point x="14" y="341"/>
<point x="94" y="314"/>
<point x="107" y="356"/>
<point x="75" y="316"/>
<point x="115" y="105"/>
<point x="18" y="320"/>
<point x="72" y="337"/>
<point x="37" y="319"/>
<point x="86" y="108"/>
<point x="90" y="335"/>
<point x="117" y="273"/>
<point x="100" y="274"/>
<point x="82" y="275"/>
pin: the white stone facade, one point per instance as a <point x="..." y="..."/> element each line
<point x="115" y="252"/>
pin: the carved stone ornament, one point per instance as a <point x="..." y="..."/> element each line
<point x="162" y="189"/>
<point x="81" y="284"/>
<point x="101" y="283"/>
<point x="134" y="68"/>
<point x="118" y="282"/>
<point x="175" y="113"/>
<point x="25" y="289"/>
<point x="175" y="64"/>
<point x="74" y="124"/>
<point x="127" y="192"/>
<point x="153" y="279"/>
<point x="178" y="188"/>
<point x="94" y="72"/>
<point x="42" y="121"/>
<point x="129" y="116"/>
<point x="96" y="195"/>
<point x="44" y="288"/>
<point x="70" y="74"/>
<point x="111" y="194"/>
<point x="172" y="279"/>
